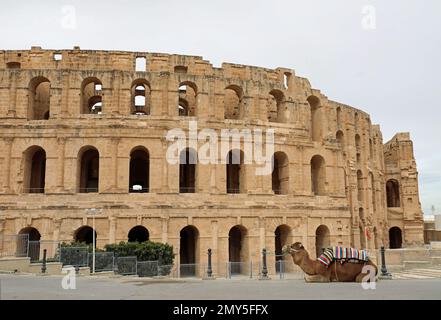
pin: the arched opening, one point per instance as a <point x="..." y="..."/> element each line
<point x="187" y="99"/>
<point x="140" y="97"/>
<point x="395" y="238"/>
<point x="393" y="193"/>
<point x="139" y="170"/>
<point x="322" y="239"/>
<point x="235" y="172"/>
<point x="91" y="96"/>
<point x="233" y="102"/>
<point x="339" y="117"/>
<point x="318" y="175"/>
<point x="282" y="237"/>
<point x="275" y="108"/>
<point x="35" y="170"/>
<point x="188" y="251"/>
<point x="89" y="159"/>
<point x="85" y="235"/>
<point x="356" y="121"/>
<point x="316" y="118"/>
<point x="373" y="193"/>
<point x="360" y="190"/>
<point x="237" y="249"/>
<point x="39" y="98"/>
<point x="138" y="234"/>
<point x="340" y="138"/>
<point x="187" y="171"/>
<point x="32" y="245"/>
<point x="362" y="237"/>
<point x="371" y="149"/>
<point x="357" y="142"/>
<point x="280" y="174"/>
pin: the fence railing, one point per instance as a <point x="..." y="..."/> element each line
<point x="14" y="245"/>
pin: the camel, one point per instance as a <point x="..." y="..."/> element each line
<point x="335" y="272"/>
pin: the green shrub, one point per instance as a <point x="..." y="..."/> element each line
<point x="145" y="251"/>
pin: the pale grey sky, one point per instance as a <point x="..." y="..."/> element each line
<point x="392" y="72"/>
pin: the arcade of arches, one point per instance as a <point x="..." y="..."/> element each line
<point x="88" y="131"/>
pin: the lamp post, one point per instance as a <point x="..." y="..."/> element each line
<point x="93" y="212"/>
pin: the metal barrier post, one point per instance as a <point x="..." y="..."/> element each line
<point x="209" y="269"/>
<point x="43" y="265"/>
<point x="384" y="273"/>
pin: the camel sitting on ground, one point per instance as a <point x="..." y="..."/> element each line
<point x="336" y="271"/>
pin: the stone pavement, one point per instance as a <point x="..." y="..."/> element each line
<point x="122" y="288"/>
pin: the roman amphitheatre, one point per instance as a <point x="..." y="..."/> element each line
<point x="83" y="129"/>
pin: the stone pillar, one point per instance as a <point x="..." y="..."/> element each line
<point x="60" y="163"/>
<point x="164" y="222"/>
<point x="57" y="228"/>
<point x="112" y="230"/>
<point x="12" y="95"/>
<point x="7" y="168"/>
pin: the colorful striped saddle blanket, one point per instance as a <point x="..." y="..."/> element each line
<point x="343" y="255"/>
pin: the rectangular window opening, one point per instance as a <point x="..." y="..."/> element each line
<point x="140" y="64"/>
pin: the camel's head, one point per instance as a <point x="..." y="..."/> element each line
<point x="297" y="251"/>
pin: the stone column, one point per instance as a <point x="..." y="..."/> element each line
<point x="164" y="222"/>
<point x="112" y="230"/>
<point x="7" y="164"/>
<point x="61" y="155"/>
<point x="12" y="95"/>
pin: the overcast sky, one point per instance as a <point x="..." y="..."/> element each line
<point x="387" y="64"/>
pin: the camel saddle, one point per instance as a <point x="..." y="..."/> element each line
<point x="342" y="255"/>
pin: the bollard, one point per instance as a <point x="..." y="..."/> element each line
<point x="264" y="274"/>
<point x="209" y="269"/>
<point x="43" y="265"/>
<point x="384" y="273"/>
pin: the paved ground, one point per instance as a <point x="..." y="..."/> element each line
<point x="49" y="287"/>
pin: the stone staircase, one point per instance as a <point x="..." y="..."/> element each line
<point x="418" y="273"/>
<point x="415" y="263"/>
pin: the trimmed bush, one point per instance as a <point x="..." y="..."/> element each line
<point x="145" y="251"/>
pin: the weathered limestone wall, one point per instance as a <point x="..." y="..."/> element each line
<point x="357" y="164"/>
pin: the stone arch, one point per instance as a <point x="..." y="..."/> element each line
<point x="339" y="119"/>
<point x="357" y="142"/>
<point x="393" y="193"/>
<point x="340" y="138"/>
<point x="138" y="234"/>
<point x="141" y="97"/>
<point x="39" y="98"/>
<point x="189" y="251"/>
<point x="395" y="238"/>
<point x="322" y="239"/>
<point x="276" y="103"/>
<point x="32" y="245"/>
<point x="34" y="179"/>
<point x="233" y="102"/>
<point x="139" y="175"/>
<point x="362" y="231"/>
<point x="316" y="118"/>
<point x="282" y="237"/>
<point x="360" y="188"/>
<point x="318" y="175"/>
<point x="238" y="248"/>
<point x="236" y="172"/>
<point x="91" y="96"/>
<point x="188" y="98"/>
<point x="85" y="235"/>
<point x="187" y="171"/>
<point x="280" y="174"/>
<point x="373" y="193"/>
<point x="88" y="173"/>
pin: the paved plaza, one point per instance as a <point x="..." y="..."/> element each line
<point x="127" y="288"/>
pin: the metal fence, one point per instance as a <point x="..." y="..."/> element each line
<point x="14" y="245"/>
<point x="74" y="256"/>
<point x="104" y="261"/>
<point x="126" y="265"/>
